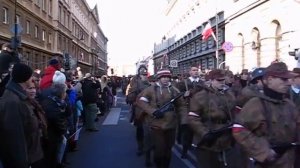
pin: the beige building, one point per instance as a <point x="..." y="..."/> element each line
<point x="260" y="31"/>
<point x="56" y="27"/>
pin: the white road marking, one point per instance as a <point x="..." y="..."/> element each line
<point x="112" y="117"/>
<point x="185" y="161"/>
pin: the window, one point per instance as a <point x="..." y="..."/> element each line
<point x="43" y="35"/>
<point x="59" y="14"/>
<point x="27" y="27"/>
<point x="44" y="5"/>
<point x="36" y="31"/>
<point x="49" y="38"/>
<point x="63" y="21"/>
<point x="18" y="19"/>
<point x="50" y="7"/>
<point x="5" y="16"/>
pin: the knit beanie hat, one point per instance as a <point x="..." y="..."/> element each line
<point x="59" y="78"/>
<point x="55" y="63"/>
<point x="21" y="73"/>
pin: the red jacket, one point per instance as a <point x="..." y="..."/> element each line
<point x="46" y="80"/>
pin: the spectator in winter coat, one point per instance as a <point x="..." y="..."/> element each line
<point x="55" y="106"/>
<point x="20" y="143"/>
<point x="90" y="96"/>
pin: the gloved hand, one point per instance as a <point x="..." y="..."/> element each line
<point x="157" y="114"/>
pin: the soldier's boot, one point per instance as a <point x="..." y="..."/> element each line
<point x="159" y="163"/>
<point x="140" y="150"/>
<point x="166" y="162"/>
<point x="184" y="152"/>
<point x="148" y="162"/>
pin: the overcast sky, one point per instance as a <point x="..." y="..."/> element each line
<point x="131" y="26"/>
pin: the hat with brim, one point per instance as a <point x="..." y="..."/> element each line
<point x="216" y="74"/>
<point x="279" y="70"/>
<point x="296" y="71"/>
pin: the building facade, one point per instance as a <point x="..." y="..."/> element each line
<point x="260" y="32"/>
<point x="56" y="27"/>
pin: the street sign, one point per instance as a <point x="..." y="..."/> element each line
<point x="19" y="28"/>
<point x="174" y="63"/>
<point x="227" y="46"/>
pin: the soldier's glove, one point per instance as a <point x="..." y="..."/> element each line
<point x="158" y="114"/>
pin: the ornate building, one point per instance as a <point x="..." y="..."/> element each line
<point x="56" y="27"/>
<point x="260" y="31"/>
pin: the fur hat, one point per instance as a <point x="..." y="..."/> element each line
<point x="59" y="78"/>
<point x="280" y="70"/>
<point x="21" y="73"/>
<point x="163" y="73"/>
<point x="216" y="74"/>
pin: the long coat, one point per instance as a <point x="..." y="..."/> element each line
<point x="20" y="142"/>
<point x="211" y="110"/>
<point x="264" y="122"/>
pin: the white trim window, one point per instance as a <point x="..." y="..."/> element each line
<point x="5" y="15"/>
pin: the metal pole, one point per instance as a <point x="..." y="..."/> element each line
<point x="15" y="32"/>
<point x="217" y="35"/>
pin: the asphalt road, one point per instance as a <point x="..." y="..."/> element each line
<point x="114" y="146"/>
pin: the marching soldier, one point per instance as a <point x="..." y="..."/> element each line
<point x="210" y="117"/>
<point x="137" y="84"/>
<point x="294" y="94"/>
<point x="189" y="86"/>
<point x="162" y="115"/>
<point x="267" y="126"/>
<point x="253" y="89"/>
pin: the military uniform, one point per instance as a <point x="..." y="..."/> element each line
<point x="184" y="132"/>
<point x="211" y="109"/>
<point x="136" y="86"/>
<point x="162" y="129"/>
<point x="266" y="121"/>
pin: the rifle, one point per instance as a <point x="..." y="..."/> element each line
<point x="167" y="106"/>
<point x="281" y="148"/>
<point x="212" y="135"/>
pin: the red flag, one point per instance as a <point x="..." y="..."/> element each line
<point x="207" y="32"/>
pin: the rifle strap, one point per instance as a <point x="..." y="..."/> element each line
<point x="186" y="85"/>
<point x="172" y="90"/>
<point x="268" y="116"/>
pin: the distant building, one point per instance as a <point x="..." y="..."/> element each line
<point x="260" y="32"/>
<point x="56" y="27"/>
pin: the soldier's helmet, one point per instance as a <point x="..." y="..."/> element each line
<point x="257" y="73"/>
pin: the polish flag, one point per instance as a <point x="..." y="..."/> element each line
<point x="207" y="32"/>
